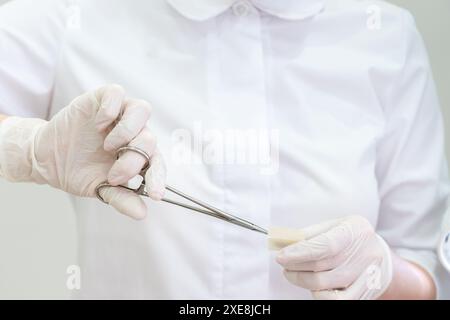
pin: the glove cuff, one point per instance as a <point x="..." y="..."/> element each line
<point x="17" y="156"/>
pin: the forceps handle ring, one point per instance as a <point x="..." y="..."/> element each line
<point x="141" y="190"/>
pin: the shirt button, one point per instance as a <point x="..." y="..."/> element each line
<point x="241" y="8"/>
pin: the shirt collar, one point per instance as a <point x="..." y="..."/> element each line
<point x="201" y="10"/>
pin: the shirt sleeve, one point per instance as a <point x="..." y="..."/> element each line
<point x="31" y="35"/>
<point x="411" y="165"/>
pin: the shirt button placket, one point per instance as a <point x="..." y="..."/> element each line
<point x="237" y="88"/>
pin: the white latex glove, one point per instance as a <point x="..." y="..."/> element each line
<point x="76" y="150"/>
<point x="339" y="259"/>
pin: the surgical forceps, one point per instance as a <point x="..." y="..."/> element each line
<point x="203" y="207"/>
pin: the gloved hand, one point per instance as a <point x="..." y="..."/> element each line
<point x="339" y="259"/>
<point x="76" y="150"/>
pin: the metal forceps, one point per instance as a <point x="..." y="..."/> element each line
<point x="201" y="207"/>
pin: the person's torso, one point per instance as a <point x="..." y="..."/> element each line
<point x="273" y="120"/>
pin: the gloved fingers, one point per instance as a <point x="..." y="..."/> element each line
<point x="110" y="99"/>
<point x="125" y="201"/>
<point x="135" y="114"/>
<point x="84" y="107"/>
<point x="353" y="292"/>
<point x="341" y="277"/>
<point x="326" y="264"/>
<point x="156" y="177"/>
<point x="319" y="228"/>
<point x="131" y="163"/>
<point x="322" y="246"/>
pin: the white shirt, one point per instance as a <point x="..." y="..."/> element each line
<point x="345" y="101"/>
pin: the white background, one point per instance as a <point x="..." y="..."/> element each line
<point x="37" y="224"/>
